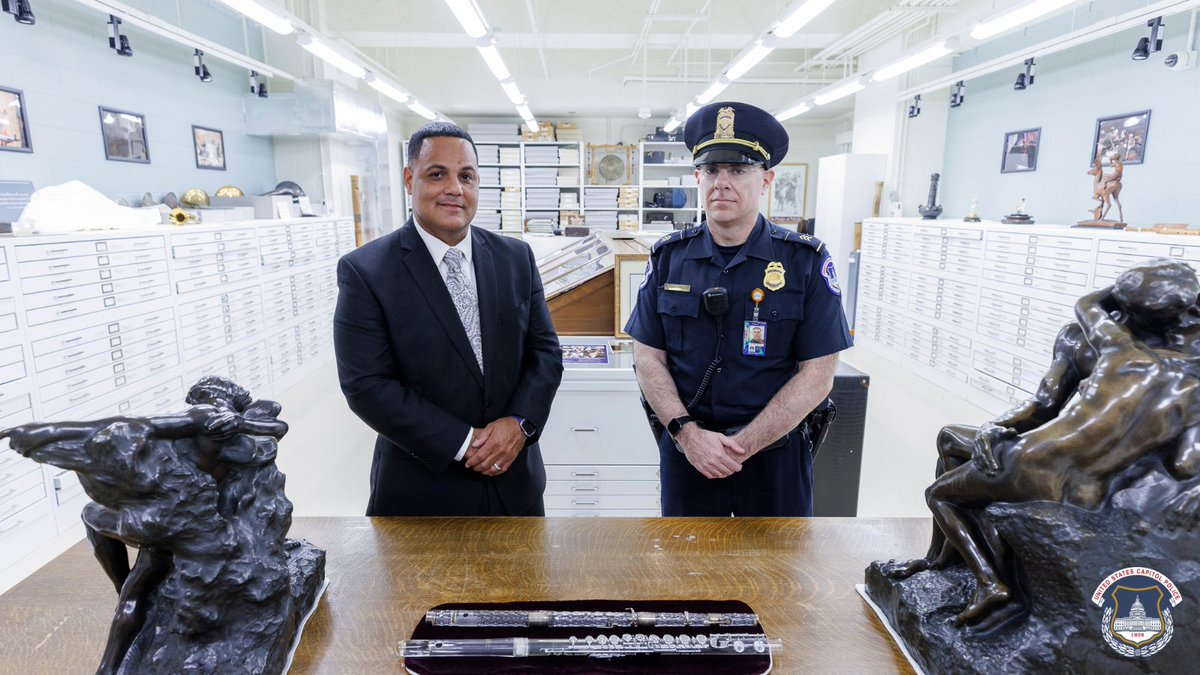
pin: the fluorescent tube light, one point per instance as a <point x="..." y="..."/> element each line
<point x="513" y="93"/>
<point x="751" y="57"/>
<point x="385" y="88"/>
<point x="690" y="108"/>
<point x="524" y="111"/>
<point x="672" y="124"/>
<point x="798" y="109"/>
<point x="469" y="16"/>
<point x="713" y="89"/>
<point x="268" y="17"/>
<point x="421" y="110"/>
<point x="491" y="56"/>
<point x="1016" y="17"/>
<point x="916" y="60"/>
<point x="800" y="14"/>
<point x="319" y="49"/>
<point x="842" y="91"/>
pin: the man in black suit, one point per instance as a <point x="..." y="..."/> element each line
<point x="445" y="348"/>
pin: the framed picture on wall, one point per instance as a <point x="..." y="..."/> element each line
<point x="1123" y="136"/>
<point x="14" y="129"/>
<point x="210" y="148"/>
<point x="124" y="136"/>
<point x="787" y="199"/>
<point x="630" y="271"/>
<point x="610" y="164"/>
<point x="1020" y="151"/>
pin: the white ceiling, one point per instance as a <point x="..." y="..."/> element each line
<point x="612" y="57"/>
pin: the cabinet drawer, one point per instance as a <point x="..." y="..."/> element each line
<point x="644" y="472"/>
<point x="583" y="488"/>
<point x="603" y="502"/>
<point x="603" y="513"/>
<point x="14" y="409"/>
<point x="598" y="427"/>
<point x="21" y="491"/>
<point x="69" y="249"/>
<point x="23" y="530"/>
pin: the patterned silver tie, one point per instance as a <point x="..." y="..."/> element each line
<point x="463" y="295"/>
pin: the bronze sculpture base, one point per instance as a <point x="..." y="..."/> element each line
<point x="1102" y="224"/>
<point x="1017" y="219"/>
<point x="1065" y="552"/>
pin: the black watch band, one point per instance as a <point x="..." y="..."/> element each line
<point x="676" y="425"/>
<point x="528" y="428"/>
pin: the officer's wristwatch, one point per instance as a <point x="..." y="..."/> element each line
<point x="676" y="425"/>
<point x="528" y="428"/>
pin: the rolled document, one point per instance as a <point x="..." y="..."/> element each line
<point x="507" y="618"/>
<point x="600" y="646"/>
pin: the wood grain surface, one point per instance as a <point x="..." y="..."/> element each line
<point x="799" y="574"/>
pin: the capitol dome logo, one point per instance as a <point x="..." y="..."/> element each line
<point x="1137" y="603"/>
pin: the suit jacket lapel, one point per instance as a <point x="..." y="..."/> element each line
<point x="485" y="286"/>
<point x="420" y="264"/>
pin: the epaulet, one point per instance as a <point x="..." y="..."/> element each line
<point x="675" y="236"/>
<point x="785" y="234"/>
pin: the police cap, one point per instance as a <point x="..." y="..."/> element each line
<point x="735" y="133"/>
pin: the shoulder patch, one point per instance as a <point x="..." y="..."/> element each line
<point x="830" y="276"/>
<point x="797" y="238"/>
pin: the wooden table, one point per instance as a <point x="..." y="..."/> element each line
<point x="799" y="574"/>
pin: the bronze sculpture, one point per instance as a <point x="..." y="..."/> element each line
<point x="1120" y="404"/>
<point x="1106" y="189"/>
<point x="931" y="210"/>
<point x="216" y="584"/>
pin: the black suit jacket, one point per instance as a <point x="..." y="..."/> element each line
<point x="407" y="369"/>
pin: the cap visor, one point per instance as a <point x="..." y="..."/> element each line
<point x="726" y="155"/>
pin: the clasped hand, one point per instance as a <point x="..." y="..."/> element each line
<point x="984" y="455"/>
<point x="713" y="455"/>
<point x="494" y="448"/>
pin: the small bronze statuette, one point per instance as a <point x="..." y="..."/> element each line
<point x="1018" y="216"/>
<point x="930" y="211"/>
<point x="973" y="214"/>
<point x="1106" y="189"/>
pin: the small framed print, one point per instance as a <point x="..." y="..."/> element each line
<point x="630" y="271"/>
<point x="124" y="136"/>
<point x="210" y="148"/>
<point x="1121" y="135"/>
<point x="787" y="200"/>
<point x="14" y="128"/>
<point x="1020" y="150"/>
<point x="585" y="354"/>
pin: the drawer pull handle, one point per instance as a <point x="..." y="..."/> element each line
<point x="75" y="354"/>
<point x="590" y="502"/>
<point x="61" y="312"/>
<point x="75" y="369"/>
<point x="77" y="399"/>
<point x="64" y="296"/>
<point x="74" y="339"/>
<point x="575" y="488"/>
<point x="14" y="526"/>
<point x="57" y="250"/>
<point x="583" y="474"/>
<point x="585" y="429"/>
<point x="67" y="280"/>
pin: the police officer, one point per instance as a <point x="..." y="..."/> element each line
<point x="736" y="333"/>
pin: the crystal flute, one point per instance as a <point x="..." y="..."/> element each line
<point x="601" y="646"/>
<point x="501" y="618"/>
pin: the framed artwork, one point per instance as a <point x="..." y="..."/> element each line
<point x="610" y="164"/>
<point x="630" y="271"/>
<point x="1020" y="151"/>
<point x="14" y="129"/>
<point x="124" y="136"/>
<point x="1123" y="136"/>
<point x="787" y="199"/>
<point x="595" y="354"/>
<point x="210" y="148"/>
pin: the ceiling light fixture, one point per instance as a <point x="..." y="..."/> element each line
<point x="672" y="124"/>
<point x="1016" y="17"/>
<point x="713" y="90"/>
<point x="840" y="91"/>
<point x="916" y="60"/>
<point x="1154" y="43"/>
<point x="751" y="57"/>
<point x="513" y="93"/>
<point x="469" y="16"/>
<point x="117" y="42"/>
<point x="491" y="56"/>
<point x="799" y="16"/>
<point x="264" y="15"/>
<point x="794" y="111"/>
<point x="957" y="98"/>
<point x="199" y="68"/>
<point x="384" y="87"/>
<point x="20" y="9"/>
<point x="421" y="110"/>
<point x="328" y="54"/>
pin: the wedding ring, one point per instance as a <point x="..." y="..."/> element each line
<point x="496" y="467"/>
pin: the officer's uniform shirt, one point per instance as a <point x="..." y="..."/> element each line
<point x="804" y="318"/>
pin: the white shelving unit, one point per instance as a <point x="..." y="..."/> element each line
<point x="660" y="177"/>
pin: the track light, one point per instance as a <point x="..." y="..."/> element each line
<point x="20" y="9"/>
<point x="1025" y="79"/>
<point x="258" y="84"/>
<point x="117" y="42"/>
<point x="199" y="68"/>
<point x="915" y="108"/>
<point x="1147" y="46"/>
<point x="957" y="98"/>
